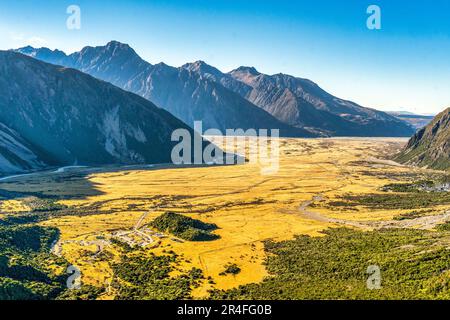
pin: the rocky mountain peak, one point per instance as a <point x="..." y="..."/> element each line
<point x="111" y="49"/>
<point x="201" y="67"/>
<point x="75" y="118"/>
<point x="118" y="46"/>
<point x="187" y="91"/>
<point x="53" y="56"/>
<point x="247" y="70"/>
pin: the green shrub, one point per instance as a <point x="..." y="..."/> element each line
<point x="444" y="227"/>
<point x="148" y="278"/>
<point x="231" y="268"/>
<point x="184" y="227"/>
<point x="413" y="264"/>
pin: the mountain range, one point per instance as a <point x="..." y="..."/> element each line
<point x="94" y="107"/>
<point x="243" y="98"/>
<point x="302" y="103"/>
<point x="184" y="94"/>
<point x="430" y="146"/>
<point x="55" y="116"/>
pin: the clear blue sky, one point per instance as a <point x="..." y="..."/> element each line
<point x="405" y="65"/>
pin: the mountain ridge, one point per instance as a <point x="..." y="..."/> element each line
<point x="61" y="116"/>
<point x="198" y="91"/>
<point x="430" y="146"/>
<point x="185" y="94"/>
<point x="301" y="102"/>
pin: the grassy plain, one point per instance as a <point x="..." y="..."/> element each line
<point x="248" y="207"/>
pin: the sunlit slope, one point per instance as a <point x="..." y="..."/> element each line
<point x="430" y="146"/>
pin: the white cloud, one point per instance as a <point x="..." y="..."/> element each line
<point x="20" y="40"/>
<point x="37" y="42"/>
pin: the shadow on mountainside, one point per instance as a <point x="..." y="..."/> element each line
<point x="49" y="185"/>
<point x="73" y="184"/>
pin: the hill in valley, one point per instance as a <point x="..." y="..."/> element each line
<point x="54" y="116"/>
<point x="430" y="146"/>
<point x="184" y="227"/>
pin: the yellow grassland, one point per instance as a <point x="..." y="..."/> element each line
<point x="248" y="207"/>
<point x="16" y="206"/>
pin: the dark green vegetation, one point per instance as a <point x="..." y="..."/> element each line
<point x="444" y="227"/>
<point x="9" y="220"/>
<point x="148" y="278"/>
<point x="185" y="227"/>
<point x="395" y="200"/>
<point x="86" y="292"/>
<point x="414" y="265"/>
<point x="24" y="263"/>
<point x="414" y="195"/>
<point x="44" y="205"/>
<point x="135" y="277"/>
<point x="41" y="209"/>
<point x="412" y="215"/>
<point x="231" y="268"/>
<point x="434" y="183"/>
<point x="430" y="146"/>
<point x="25" y="257"/>
<point x="25" y="266"/>
<point x="408" y="187"/>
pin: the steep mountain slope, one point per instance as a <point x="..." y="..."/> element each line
<point x="16" y="154"/>
<point x="185" y="94"/>
<point x="302" y="103"/>
<point x="73" y="118"/>
<point x="430" y="146"/>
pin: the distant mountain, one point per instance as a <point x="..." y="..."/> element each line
<point x="430" y="146"/>
<point x="302" y="103"/>
<point x="198" y="91"/>
<point x="58" y="57"/>
<point x="416" y="120"/>
<point x="185" y="94"/>
<point x="51" y="115"/>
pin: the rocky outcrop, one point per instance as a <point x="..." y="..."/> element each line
<point x="430" y="146"/>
